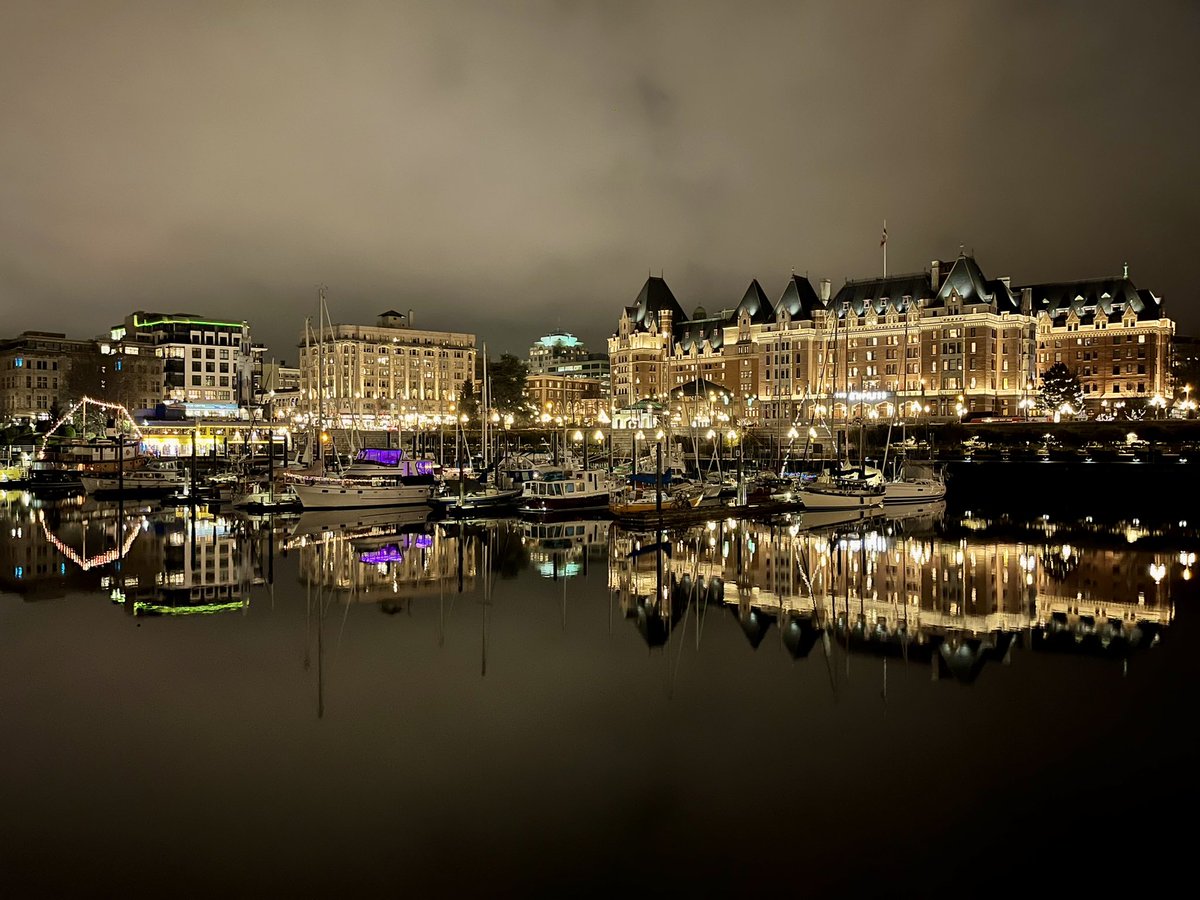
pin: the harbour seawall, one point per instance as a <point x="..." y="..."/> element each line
<point x="1097" y="488"/>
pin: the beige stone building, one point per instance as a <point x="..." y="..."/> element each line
<point x="384" y="375"/>
<point x="938" y="344"/>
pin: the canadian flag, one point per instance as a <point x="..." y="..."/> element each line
<point x="883" y="239"/>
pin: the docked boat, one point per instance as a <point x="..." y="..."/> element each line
<point x="916" y="484"/>
<point x="637" y="502"/>
<point x="839" y="491"/>
<point x="479" y="502"/>
<point x="151" y="477"/>
<point x="263" y="499"/>
<point x="375" y="478"/>
<point x="553" y="490"/>
<point x="48" y="478"/>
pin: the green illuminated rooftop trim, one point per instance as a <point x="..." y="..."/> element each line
<point x="181" y="320"/>
<point x="206" y="609"/>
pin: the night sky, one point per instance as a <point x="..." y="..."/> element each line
<point x="511" y="168"/>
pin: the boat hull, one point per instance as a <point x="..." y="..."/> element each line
<point x="816" y="499"/>
<point x="544" y="505"/>
<point x="134" y="483"/>
<point x="336" y="495"/>
<point x="470" y="504"/>
<point x="914" y="492"/>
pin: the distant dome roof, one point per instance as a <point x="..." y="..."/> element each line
<point x="700" y="313"/>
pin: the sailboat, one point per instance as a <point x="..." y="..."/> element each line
<point x="487" y="498"/>
<point x="846" y="487"/>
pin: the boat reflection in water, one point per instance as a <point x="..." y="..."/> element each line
<point x="389" y="556"/>
<point x="153" y="561"/>
<point x="566" y="548"/>
<point x="954" y="595"/>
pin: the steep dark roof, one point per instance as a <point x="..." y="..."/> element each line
<point x="966" y="279"/>
<point x="655" y="297"/>
<point x="697" y="331"/>
<point x="755" y="304"/>
<point x="876" y="293"/>
<point x="799" y="299"/>
<point x="1111" y="295"/>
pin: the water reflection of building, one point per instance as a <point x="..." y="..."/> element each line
<point x="154" y="560"/>
<point x="206" y="564"/>
<point x="885" y="590"/>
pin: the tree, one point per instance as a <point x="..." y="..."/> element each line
<point x="506" y="377"/>
<point x="100" y="377"/>
<point x="467" y="401"/>
<point x="1060" y="387"/>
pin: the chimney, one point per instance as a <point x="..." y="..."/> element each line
<point x="410" y="318"/>
<point x="935" y="275"/>
<point x="824" y="290"/>
<point x="1027" y="301"/>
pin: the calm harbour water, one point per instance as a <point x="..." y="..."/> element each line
<point x="357" y="704"/>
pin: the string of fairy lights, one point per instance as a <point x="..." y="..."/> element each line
<point x="83" y="405"/>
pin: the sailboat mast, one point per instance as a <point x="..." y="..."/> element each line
<point x="487" y="401"/>
<point x="320" y="377"/>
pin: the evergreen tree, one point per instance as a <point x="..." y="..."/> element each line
<point x="467" y="401"/>
<point x="1061" y="387"/>
<point x="506" y="377"/>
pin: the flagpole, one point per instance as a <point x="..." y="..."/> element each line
<point x="884" y="242"/>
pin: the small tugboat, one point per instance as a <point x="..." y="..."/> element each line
<point x="554" y="490"/>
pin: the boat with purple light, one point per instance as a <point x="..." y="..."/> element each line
<point x="377" y="477"/>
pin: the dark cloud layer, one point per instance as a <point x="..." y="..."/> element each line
<point x="514" y="167"/>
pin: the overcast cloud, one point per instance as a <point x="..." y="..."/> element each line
<point x="509" y="168"/>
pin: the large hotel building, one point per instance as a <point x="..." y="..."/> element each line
<point x="383" y="375"/>
<point x="946" y="341"/>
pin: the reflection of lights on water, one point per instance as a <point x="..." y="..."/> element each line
<point x="568" y="569"/>
<point x="92" y="562"/>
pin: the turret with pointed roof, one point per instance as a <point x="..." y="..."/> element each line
<point x="654" y="298"/>
<point x="799" y="300"/>
<point x="755" y="304"/>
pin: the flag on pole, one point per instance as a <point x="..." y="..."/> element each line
<point x="883" y="238"/>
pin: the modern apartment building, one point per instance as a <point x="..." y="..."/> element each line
<point x="207" y="363"/>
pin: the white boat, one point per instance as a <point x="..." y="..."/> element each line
<point x="841" y="492"/>
<point x="916" y="484"/>
<point x="160" y="476"/>
<point x="375" y="478"/>
<point x="917" y="490"/>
